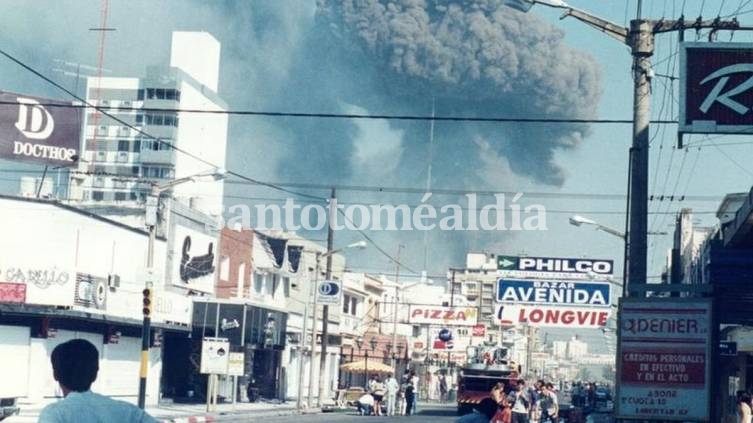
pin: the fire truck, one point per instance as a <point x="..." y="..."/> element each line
<point x="486" y="366"/>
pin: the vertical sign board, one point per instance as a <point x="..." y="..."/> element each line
<point x="215" y="353"/>
<point x="663" y="363"/>
<point x="235" y="365"/>
<point x="716" y="93"/>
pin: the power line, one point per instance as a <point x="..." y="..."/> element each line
<point x="317" y="115"/>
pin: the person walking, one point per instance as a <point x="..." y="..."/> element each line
<point x="75" y="365"/>
<point x="409" y="391"/>
<point x="391" y="388"/>
<point x="377" y="391"/>
<point x="521" y="403"/>
<point x="442" y="389"/>
<point x="549" y="404"/>
<point x="414" y="381"/>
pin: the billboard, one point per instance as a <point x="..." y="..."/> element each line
<point x="215" y="354"/>
<point x="553" y="267"/>
<point x="663" y="361"/>
<point x="193" y="259"/>
<point x="446" y="339"/>
<point x="25" y="280"/>
<point x="716" y="92"/>
<point x="443" y="316"/>
<point x="553" y="317"/>
<point x="554" y="292"/>
<point x="39" y="130"/>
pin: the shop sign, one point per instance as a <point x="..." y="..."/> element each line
<point x="555" y="317"/>
<point x="663" y="360"/>
<point x="438" y="315"/>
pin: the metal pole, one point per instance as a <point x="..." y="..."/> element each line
<point x="302" y="349"/>
<point x="642" y="47"/>
<point x="146" y="324"/>
<point x="325" y="308"/>
<point x="313" y="334"/>
<point x="41" y="181"/>
<point x="366" y="369"/>
<point x="394" y="313"/>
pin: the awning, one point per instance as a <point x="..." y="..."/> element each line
<point x="363" y="367"/>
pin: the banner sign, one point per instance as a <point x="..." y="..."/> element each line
<point x="446" y="339"/>
<point x="438" y="315"/>
<point x="554" y="293"/>
<point x="44" y="284"/>
<point x="716" y="92"/>
<point x="663" y="363"/>
<point x="552" y="317"/>
<point x="39" y="130"/>
<point x="553" y="267"/>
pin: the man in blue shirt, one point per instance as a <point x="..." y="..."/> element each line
<point x="75" y="365"/>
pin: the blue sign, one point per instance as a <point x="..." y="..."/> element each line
<point x="553" y="293"/>
<point x="728" y="348"/>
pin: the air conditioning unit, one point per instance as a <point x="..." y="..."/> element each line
<point x="113" y="281"/>
<point x="124" y="131"/>
<point x="104" y="103"/>
<point x="122" y="156"/>
<point x="99" y="182"/>
<point x="118" y="184"/>
<point x="102" y="130"/>
<point x="126" y="103"/>
<point x="101" y="156"/>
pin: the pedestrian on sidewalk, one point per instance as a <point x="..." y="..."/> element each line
<point x="414" y="382"/>
<point x="391" y="387"/>
<point x="75" y="365"/>
<point x="365" y="404"/>
<point x="409" y="391"/>
<point x="378" y="391"/>
<point x="521" y="403"/>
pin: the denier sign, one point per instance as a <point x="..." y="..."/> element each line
<point x="39" y="130"/>
<point x="438" y="315"/>
<point x="716" y="88"/>
<point x="567" y="268"/>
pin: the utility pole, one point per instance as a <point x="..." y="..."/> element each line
<point x="640" y="38"/>
<point x="325" y="308"/>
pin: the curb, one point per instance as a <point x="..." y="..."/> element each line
<point x="230" y="416"/>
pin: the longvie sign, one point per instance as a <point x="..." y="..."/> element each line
<point x="663" y="362"/>
<point x="716" y="88"/>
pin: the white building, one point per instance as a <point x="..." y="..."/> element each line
<point x="119" y="163"/>
<point x="70" y="274"/>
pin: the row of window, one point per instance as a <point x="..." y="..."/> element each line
<point x="129" y="146"/>
<point x="158" y="94"/>
<point x="135" y="171"/>
<point x="96" y="195"/>
<point x="157" y="118"/>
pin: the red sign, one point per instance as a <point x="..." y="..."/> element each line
<point x="716" y="94"/>
<point x="438" y="315"/>
<point x="664" y="368"/>
<point x="479" y="330"/>
<point x="12" y="292"/>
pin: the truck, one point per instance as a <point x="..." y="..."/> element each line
<point x="486" y="365"/>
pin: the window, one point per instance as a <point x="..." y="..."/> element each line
<point x="123" y="145"/>
<point x="160" y="93"/>
<point x="98" y="195"/>
<point x="150" y="93"/>
<point x="136" y="146"/>
<point x="139" y="119"/>
<point x="133" y="196"/>
<point x="258" y="283"/>
<point x="120" y="196"/>
<point x="353" y="306"/>
<point x="135" y="170"/>
<point x="101" y="145"/>
<point x="346" y="299"/>
<point x="225" y="268"/>
<point x="170" y="94"/>
<point x="286" y="286"/>
<point x="139" y="94"/>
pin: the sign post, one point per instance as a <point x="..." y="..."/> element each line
<point x="214" y="361"/>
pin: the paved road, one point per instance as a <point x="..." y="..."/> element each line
<point x="434" y="413"/>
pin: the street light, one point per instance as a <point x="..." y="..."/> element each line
<point x="578" y="220"/>
<point x="373" y="345"/>
<point x="150" y="218"/>
<point x="323" y="355"/>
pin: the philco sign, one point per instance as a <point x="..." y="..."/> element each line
<point x="437" y="315"/>
<point x="716" y="88"/>
<point x="39" y="130"/>
<point x="552" y="267"/>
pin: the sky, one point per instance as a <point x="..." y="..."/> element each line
<point x="475" y="58"/>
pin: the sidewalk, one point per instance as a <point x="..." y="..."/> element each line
<point x="187" y="413"/>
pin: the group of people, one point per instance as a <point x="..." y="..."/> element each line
<point x="399" y="397"/>
<point x="520" y="404"/>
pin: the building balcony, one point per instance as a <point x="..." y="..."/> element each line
<point x="158" y="157"/>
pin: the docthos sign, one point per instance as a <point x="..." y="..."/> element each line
<point x="39" y="130"/>
<point x="329" y="292"/>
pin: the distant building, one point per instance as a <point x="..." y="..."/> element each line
<point x="119" y="163"/>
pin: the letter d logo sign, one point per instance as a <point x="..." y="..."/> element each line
<point x="34" y="121"/>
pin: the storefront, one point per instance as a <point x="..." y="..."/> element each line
<point x="258" y="332"/>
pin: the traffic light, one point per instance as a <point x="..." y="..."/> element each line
<point x="148" y="302"/>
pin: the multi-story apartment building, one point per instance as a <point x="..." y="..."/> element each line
<point x="151" y="136"/>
